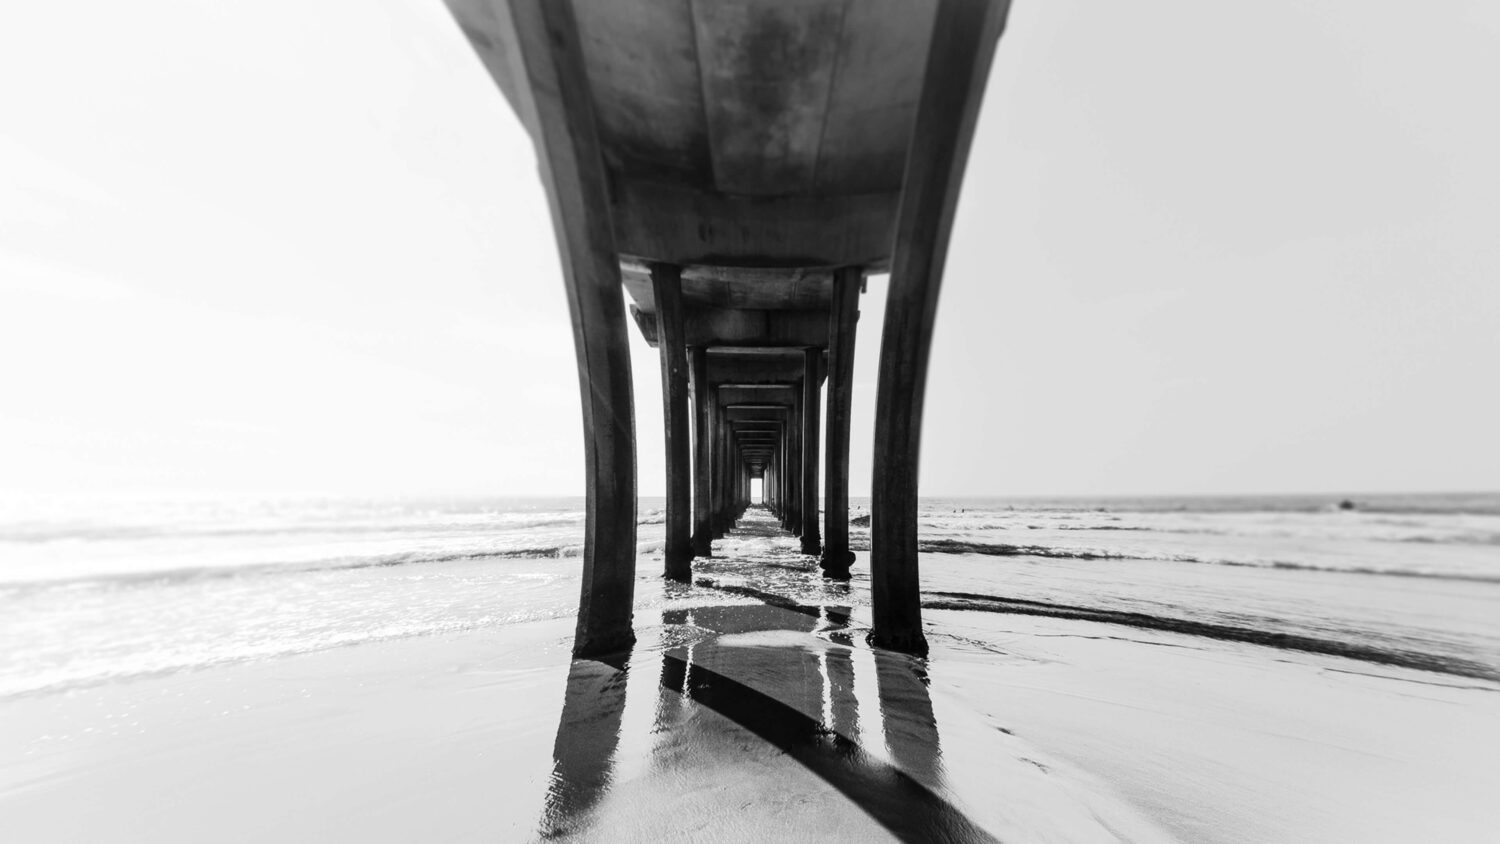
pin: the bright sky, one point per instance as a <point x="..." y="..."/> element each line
<point x="301" y="247"/>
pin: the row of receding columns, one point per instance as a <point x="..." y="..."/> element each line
<point x="556" y="103"/>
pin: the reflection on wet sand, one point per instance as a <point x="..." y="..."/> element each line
<point x="785" y="675"/>
<point x="587" y="735"/>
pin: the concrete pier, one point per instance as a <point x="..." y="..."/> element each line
<point x="741" y="168"/>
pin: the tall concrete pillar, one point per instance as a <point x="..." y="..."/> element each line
<point x="717" y="521"/>
<point x="722" y="478"/>
<point x="794" y="464"/>
<point x="842" y="319"/>
<point x="784" y="471"/>
<point x="812" y="402"/>
<point x="702" y="453"/>
<point x="776" y="478"/>
<point x="571" y="162"/>
<point x="958" y="62"/>
<point x="778" y="460"/>
<point x="742" y="485"/>
<point x="768" y="483"/>
<point x="666" y="284"/>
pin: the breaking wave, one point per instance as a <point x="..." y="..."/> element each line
<point x="1003" y="549"/>
<point x="194" y="573"/>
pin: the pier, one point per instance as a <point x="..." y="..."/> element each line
<point x="741" y="168"/>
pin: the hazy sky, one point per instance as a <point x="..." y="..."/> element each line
<point x="285" y="246"/>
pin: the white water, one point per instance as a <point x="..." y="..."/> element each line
<point x="117" y="590"/>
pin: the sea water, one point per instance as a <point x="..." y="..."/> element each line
<point x="110" y="590"/>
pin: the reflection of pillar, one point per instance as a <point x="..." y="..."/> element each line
<point x="677" y="551"/>
<point x="583" y="754"/>
<point x="911" y="733"/>
<point x="958" y="61"/>
<point x="559" y="103"/>
<point x="843" y="708"/>
<point x="812" y="362"/>
<point x="702" y="454"/>
<point x="842" y="320"/>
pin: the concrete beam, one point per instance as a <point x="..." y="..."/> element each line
<point x="741" y="327"/>
<point x="683" y="225"/>
<point x="745" y="288"/>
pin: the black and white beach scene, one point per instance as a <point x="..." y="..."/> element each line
<point x="749" y="421"/>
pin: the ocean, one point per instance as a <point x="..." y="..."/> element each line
<point x="131" y="589"/>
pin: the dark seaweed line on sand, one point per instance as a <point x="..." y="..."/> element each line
<point x="1225" y="632"/>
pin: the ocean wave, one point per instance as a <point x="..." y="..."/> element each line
<point x="68" y="678"/>
<point x="195" y="573"/>
<point x="32" y="534"/>
<point x="1283" y="640"/>
<point x="1484" y="538"/>
<point x="1001" y="549"/>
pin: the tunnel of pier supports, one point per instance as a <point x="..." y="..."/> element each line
<point x="740" y="187"/>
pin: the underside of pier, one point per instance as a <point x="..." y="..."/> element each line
<point x="740" y="167"/>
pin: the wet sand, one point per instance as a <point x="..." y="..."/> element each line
<point x="735" y="719"/>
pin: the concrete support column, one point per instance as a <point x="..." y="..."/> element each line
<point x="958" y="62"/>
<point x="812" y="402"/>
<point x="776" y="480"/>
<point x="726" y="477"/>
<point x="731" y="478"/>
<point x="702" y="453"/>
<point x="571" y="162"/>
<point x="666" y="284"/>
<point x="742" y="485"/>
<point x="768" y="483"/>
<point x="779" y="461"/>
<point x="718" y="471"/>
<point x="776" y="477"/>
<point x="842" y="319"/>
<point x="783" y="472"/>
<point x="794" y="464"/>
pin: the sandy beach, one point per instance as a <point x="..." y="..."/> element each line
<point x="744" y="718"/>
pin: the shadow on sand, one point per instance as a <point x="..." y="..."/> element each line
<point x="786" y="675"/>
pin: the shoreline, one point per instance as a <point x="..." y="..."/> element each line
<point x="1092" y="731"/>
